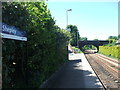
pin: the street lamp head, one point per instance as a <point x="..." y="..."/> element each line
<point x="69" y="10"/>
<point x="67" y="15"/>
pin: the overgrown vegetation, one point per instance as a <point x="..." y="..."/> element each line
<point x="76" y="50"/>
<point x="113" y="51"/>
<point x="28" y="64"/>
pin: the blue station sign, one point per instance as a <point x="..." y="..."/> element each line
<point x="12" y="32"/>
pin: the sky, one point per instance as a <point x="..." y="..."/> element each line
<point x="94" y="20"/>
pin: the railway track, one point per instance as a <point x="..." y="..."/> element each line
<point x="106" y="69"/>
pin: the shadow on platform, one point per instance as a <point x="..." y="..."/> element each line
<point x="71" y="75"/>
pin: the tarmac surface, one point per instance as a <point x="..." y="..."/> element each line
<point x="76" y="73"/>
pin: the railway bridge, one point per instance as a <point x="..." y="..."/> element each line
<point x="96" y="43"/>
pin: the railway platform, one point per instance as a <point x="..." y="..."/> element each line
<point x="76" y="73"/>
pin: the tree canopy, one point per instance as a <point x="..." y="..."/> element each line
<point x="83" y="38"/>
<point x="75" y="36"/>
<point x="113" y="37"/>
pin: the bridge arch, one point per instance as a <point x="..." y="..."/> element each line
<point x="88" y="46"/>
<point x="96" y="43"/>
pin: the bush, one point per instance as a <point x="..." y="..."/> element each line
<point x="113" y="51"/>
<point x="43" y="53"/>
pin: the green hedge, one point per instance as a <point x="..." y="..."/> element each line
<point x="113" y="51"/>
<point x="43" y="53"/>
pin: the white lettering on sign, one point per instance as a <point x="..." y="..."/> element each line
<point x="9" y="30"/>
<point x="12" y="32"/>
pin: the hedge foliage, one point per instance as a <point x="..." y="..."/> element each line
<point x="43" y="53"/>
<point x="113" y="51"/>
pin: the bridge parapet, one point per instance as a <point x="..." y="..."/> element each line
<point x="96" y="43"/>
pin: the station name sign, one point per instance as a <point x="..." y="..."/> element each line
<point x="12" y="32"/>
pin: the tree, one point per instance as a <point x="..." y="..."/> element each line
<point x="83" y="38"/>
<point x="95" y="39"/>
<point x="75" y="36"/>
<point x="113" y="37"/>
<point x="119" y="36"/>
<point x="112" y="40"/>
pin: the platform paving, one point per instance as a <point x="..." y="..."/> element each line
<point x="76" y="73"/>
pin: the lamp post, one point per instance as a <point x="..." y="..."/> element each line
<point x="67" y="15"/>
<point x="67" y="22"/>
<point x="77" y="39"/>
